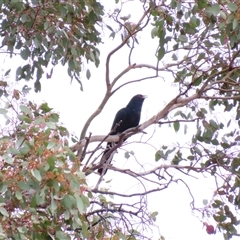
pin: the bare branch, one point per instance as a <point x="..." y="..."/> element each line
<point x="180" y="120"/>
<point x="129" y="195"/>
<point x="133" y="81"/>
<point x="122" y="73"/>
<point x="237" y="97"/>
<point x="134" y="31"/>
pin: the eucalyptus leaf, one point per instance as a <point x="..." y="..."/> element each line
<point x="36" y="174"/>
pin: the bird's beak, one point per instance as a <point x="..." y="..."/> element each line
<point x="144" y="96"/>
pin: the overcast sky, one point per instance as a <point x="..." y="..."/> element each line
<point x="175" y="219"/>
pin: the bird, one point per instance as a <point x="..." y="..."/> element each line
<point x="125" y="118"/>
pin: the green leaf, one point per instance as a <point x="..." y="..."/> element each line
<point x="25" y="109"/>
<point x="56" y="185"/>
<point x="223" y="15"/>
<point x="198" y="151"/>
<point x="122" y="236"/>
<point x="205" y="202"/>
<point x="18" y="195"/>
<point x="25" y="53"/>
<point x="182" y="38"/>
<point x="19" y="142"/>
<point x="54" y="205"/>
<point x="201" y="56"/>
<point x="1" y="92"/>
<point x="3" y="212"/>
<point x="85" y="201"/>
<point x="202" y="3"/>
<point x="158" y="155"/>
<point x="197" y="81"/>
<point x="102" y="198"/>
<point x="154" y="215"/>
<point x="18" y="73"/>
<point x="71" y="155"/>
<point x="213" y="124"/>
<point x="176" y="126"/>
<point x="33" y="202"/>
<point x="125" y="18"/>
<point x="110" y="28"/>
<point x="24" y="118"/>
<point x="26" y="89"/>
<point x="215" y="142"/>
<point x="161" y="53"/>
<point x="51" y="144"/>
<point x="235" y="23"/>
<point x="45" y="108"/>
<point x="215" y="9"/>
<point x="12" y="150"/>
<point x="219" y="218"/>
<point x="66" y="215"/>
<point x="154" y="32"/>
<point x="37" y="86"/>
<point x="74" y="51"/>
<point x="24" y="186"/>
<point x="174" y="57"/>
<point x="191" y="158"/>
<point x="84" y="229"/>
<point x="24" y="18"/>
<point x="232" y="7"/>
<point x="39" y="121"/>
<point x="51" y="125"/>
<point x="36" y="174"/>
<point x="80" y="204"/>
<point x="68" y="201"/>
<point x="24" y="150"/>
<point x="185" y="128"/>
<point x="3" y="187"/>
<point x="92" y="56"/>
<point x="127" y="155"/>
<point x="36" y="42"/>
<point x="7" y="72"/>
<point x="61" y="235"/>
<point x="9" y="159"/>
<point x="3" y="111"/>
<point x="112" y="35"/>
<point x="207" y="136"/>
<point x="88" y="74"/>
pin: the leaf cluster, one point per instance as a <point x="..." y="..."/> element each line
<point x="50" y="32"/>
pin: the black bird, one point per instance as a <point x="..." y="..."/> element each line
<point x="125" y="118"/>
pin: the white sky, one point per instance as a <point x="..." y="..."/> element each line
<point x="175" y="219"/>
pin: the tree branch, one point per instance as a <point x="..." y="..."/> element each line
<point x="129" y="195"/>
<point x="134" y="31"/>
<point x="180" y="120"/>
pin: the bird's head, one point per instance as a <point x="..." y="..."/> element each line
<point x="137" y="101"/>
<point x="140" y="96"/>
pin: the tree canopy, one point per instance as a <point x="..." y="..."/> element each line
<point x="45" y="170"/>
<point x="49" y="33"/>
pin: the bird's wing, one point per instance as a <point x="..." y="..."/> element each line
<point x="120" y="116"/>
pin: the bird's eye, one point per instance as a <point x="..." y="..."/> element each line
<point x="140" y="95"/>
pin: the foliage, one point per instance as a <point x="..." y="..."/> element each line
<point x="43" y="181"/>
<point x="41" y="185"/>
<point x="50" y="32"/>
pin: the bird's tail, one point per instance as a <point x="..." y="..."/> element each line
<point x="100" y="170"/>
<point x="105" y="158"/>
